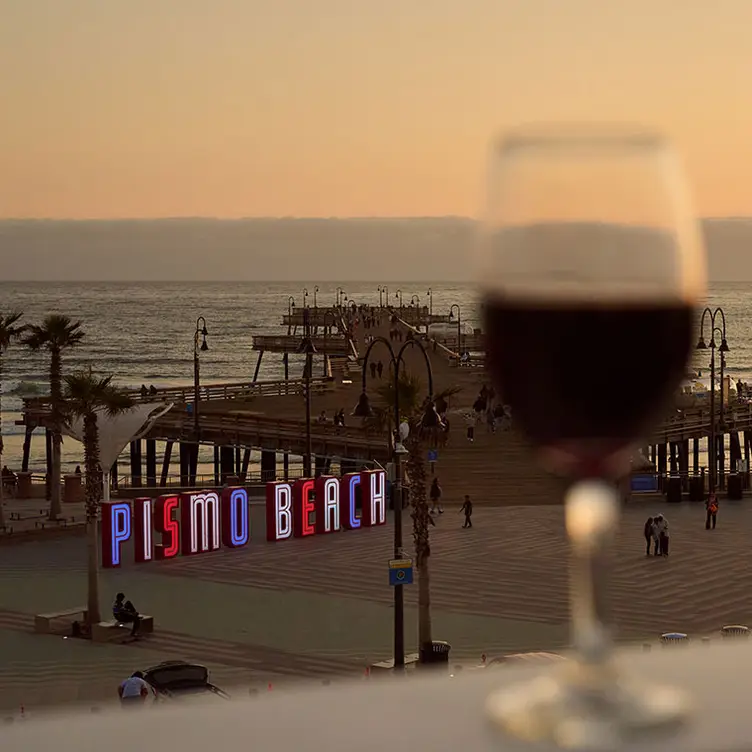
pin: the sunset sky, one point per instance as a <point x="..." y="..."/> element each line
<point x="228" y="108"/>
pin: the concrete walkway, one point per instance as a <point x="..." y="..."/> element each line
<point x="321" y="607"/>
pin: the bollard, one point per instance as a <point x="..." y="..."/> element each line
<point x="483" y="658"/>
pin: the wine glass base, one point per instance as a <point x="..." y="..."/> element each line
<point x="587" y="715"/>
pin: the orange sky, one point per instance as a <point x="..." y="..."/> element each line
<point x="346" y="107"/>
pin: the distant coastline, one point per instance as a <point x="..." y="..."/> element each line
<point x="281" y="249"/>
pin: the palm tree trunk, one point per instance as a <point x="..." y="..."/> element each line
<point x="421" y="538"/>
<point x="56" y="398"/>
<point x="93" y="487"/>
<point x="92" y="563"/>
<point x="425" y="631"/>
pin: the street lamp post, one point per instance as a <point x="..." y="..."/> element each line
<point x="309" y="350"/>
<point x="381" y="296"/>
<point x="340" y="296"/>
<point x="429" y="421"/>
<point x="429" y="293"/>
<point x="203" y="347"/>
<point x="722" y="348"/>
<point x="398" y="294"/>
<point x="305" y="297"/>
<point x="327" y="315"/>
<point x="459" y="326"/>
<point x="315" y="291"/>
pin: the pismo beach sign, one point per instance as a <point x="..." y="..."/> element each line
<point x="200" y="522"/>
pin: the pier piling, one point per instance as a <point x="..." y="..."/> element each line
<point x="151" y="463"/>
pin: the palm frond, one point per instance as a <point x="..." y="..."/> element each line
<point x="56" y="332"/>
<point x="85" y="393"/>
<point x="9" y="329"/>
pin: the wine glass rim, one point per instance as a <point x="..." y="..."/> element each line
<point x="607" y="136"/>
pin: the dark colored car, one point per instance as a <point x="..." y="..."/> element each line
<point x="176" y="680"/>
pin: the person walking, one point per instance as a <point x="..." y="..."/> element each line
<point x="467" y="508"/>
<point x="649" y="528"/>
<point x="661" y="527"/>
<point x="712" y="510"/>
<point x="435" y="493"/>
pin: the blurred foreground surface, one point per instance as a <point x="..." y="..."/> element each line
<point x="433" y="713"/>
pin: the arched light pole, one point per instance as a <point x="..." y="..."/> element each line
<point x="722" y="348"/>
<point x="201" y="334"/>
<point x="340" y="296"/>
<point x="459" y="327"/>
<point x="305" y="297"/>
<point x="431" y="421"/>
<point x="381" y="296"/>
<point x="398" y="294"/>
<point x="308" y="349"/>
<point x="328" y="314"/>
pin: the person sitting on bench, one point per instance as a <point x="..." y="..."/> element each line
<point x="125" y="613"/>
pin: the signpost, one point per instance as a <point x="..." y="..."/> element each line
<point x="433" y="455"/>
<point x="400" y="572"/>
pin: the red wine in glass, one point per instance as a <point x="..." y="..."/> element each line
<point x="585" y="380"/>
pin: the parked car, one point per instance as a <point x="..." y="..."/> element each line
<point x="177" y="680"/>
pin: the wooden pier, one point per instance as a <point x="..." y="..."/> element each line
<point x="268" y="417"/>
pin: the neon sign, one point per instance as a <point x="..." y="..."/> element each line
<point x="189" y="523"/>
<point x="195" y="523"/>
<point x="325" y="505"/>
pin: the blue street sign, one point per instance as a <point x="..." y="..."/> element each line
<point x="400" y="572"/>
<point x="433" y="455"/>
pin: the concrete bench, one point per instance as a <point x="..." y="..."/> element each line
<point x="107" y="631"/>
<point x="57" y="521"/>
<point x="42" y="622"/>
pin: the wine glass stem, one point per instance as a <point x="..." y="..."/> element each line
<point x="590" y="582"/>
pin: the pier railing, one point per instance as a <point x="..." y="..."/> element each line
<point x="207" y="392"/>
<point x="691" y="424"/>
<point x="335" y="344"/>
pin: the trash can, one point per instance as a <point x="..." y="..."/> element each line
<point x="436" y="654"/>
<point x="73" y="492"/>
<point x="697" y="488"/>
<point x="735" y="631"/>
<point x="674" y="638"/>
<point x="674" y="490"/>
<point x="734" y="486"/>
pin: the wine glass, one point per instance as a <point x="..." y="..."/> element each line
<point x="591" y="265"/>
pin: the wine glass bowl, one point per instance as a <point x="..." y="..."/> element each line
<point x="590" y="266"/>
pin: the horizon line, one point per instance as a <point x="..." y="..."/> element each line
<point x="292" y="217"/>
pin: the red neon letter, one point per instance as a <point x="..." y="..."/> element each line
<point x="167" y="525"/>
<point x="302" y="508"/>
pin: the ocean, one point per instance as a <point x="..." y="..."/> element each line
<point x="142" y="333"/>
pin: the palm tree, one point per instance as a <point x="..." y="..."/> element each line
<point x="85" y="396"/>
<point x="412" y="408"/>
<point x="55" y="334"/>
<point x="9" y="331"/>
